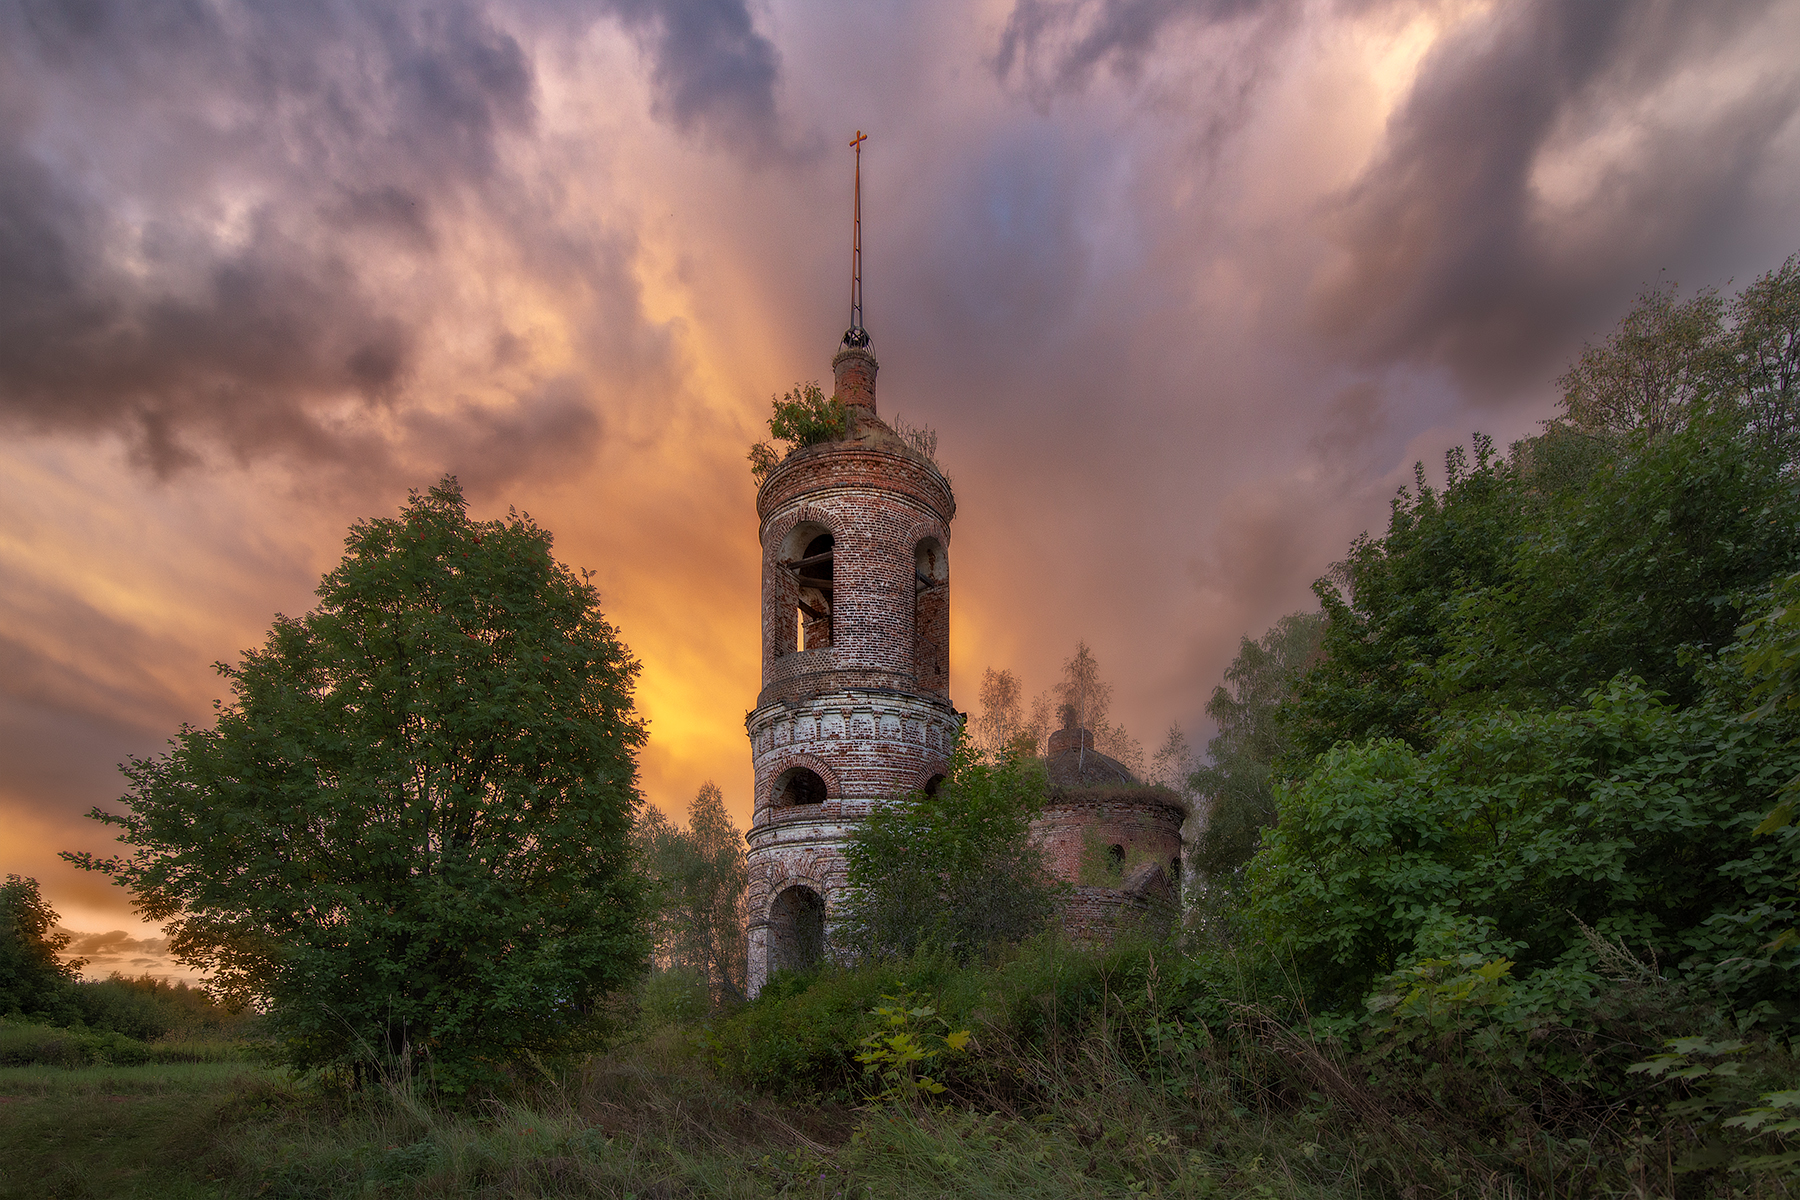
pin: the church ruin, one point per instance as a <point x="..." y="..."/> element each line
<point x="855" y="707"/>
<point x="855" y="710"/>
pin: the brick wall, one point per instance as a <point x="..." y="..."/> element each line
<point x="1094" y="916"/>
<point x="1143" y="821"/>
<point x="869" y="713"/>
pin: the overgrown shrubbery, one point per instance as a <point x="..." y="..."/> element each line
<point x="954" y="871"/>
<point x="803" y="417"/>
<point x="24" y="1044"/>
<point x="49" y="1015"/>
<point x="1628" y="814"/>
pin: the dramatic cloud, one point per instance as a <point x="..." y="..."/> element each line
<point x="1544" y="149"/>
<point x="242" y="227"/>
<point x="712" y="68"/>
<point x="1059" y="44"/>
<point x="1184" y="287"/>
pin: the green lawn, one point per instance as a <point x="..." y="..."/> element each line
<point x="122" y="1131"/>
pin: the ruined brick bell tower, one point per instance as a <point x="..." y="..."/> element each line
<point x="855" y="707"/>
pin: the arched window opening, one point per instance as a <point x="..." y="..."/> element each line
<point x="796" y="930"/>
<point x="799" y="786"/>
<point x="1115" y="857"/>
<point x="1175" y="871"/>
<point x="813" y="575"/>
<point x="931" y="617"/>
<point x="933" y="784"/>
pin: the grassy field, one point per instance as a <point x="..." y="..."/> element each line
<point x="647" y="1123"/>
<point x="132" y="1131"/>
<point x="1080" y="1078"/>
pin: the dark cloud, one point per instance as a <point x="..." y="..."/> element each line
<point x="712" y="70"/>
<point x="1060" y="44"/>
<point x="1452" y="257"/>
<point x="223" y="227"/>
<point x="202" y="276"/>
<point x="552" y="429"/>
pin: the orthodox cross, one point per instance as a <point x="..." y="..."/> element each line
<point x="856" y="335"/>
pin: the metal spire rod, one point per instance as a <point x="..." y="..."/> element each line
<point x="856" y="335"/>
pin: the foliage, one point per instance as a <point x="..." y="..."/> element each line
<point x="46" y="1045"/>
<point x="1132" y="1071"/>
<point x="904" y="1047"/>
<point x="148" y="1008"/>
<point x="408" y="832"/>
<point x="1628" y="814"/>
<point x="33" y="975"/>
<point x="1755" y="1138"/>
<point x="955" y="870"/>
<point x="802" y="417"/>
<point x="1527" y="582"/>
<point x="1770" y="658"/>
<point x="1172" y="765"/>
<point x="1651" y="371"/>
<point x="1001" y="719"/>
<point x="697" y="880"/>
<point x="1237" y="777"/>
<point x="801" y="1034"/>
<point x="1765" y="320"/>
<point x="674" y="996"/>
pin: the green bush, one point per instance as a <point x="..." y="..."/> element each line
<point x="680" y="996"/>
<point x="1626" y="814"/>
<point x="803" y="417"/>
<point x="799" y="1036"/>
<point x="954" y="870"/>
<point x="25" y="1045"/>
<point x="147" y="1008"/>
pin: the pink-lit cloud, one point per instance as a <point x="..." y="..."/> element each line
<point x="1184" y="288"/>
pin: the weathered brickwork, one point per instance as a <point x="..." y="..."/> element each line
<point x="1094" y="916"/>
<point x="1098" y="816"/>
<point x="1144" y="823"/>
<point x="854" y="708"/>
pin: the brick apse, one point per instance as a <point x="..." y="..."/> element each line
<point x="855" y="707"/>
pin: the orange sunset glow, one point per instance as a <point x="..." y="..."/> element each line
<point x="1185" y="290"/>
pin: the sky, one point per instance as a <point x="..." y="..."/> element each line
<point x="1185" y="288"/>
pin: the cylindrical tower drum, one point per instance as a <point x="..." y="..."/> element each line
<point x="855" y="707"/>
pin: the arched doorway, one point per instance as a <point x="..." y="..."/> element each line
<point x="796" y="929"/>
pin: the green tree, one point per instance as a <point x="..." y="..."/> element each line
<point x="1530" y="701"/>
<point x="1237" y="778"/>
<point x="1765" y="320"/>
<point x="1627" y="813"/>
<point x="34" y="978"/>
<point x="956" y="870"/>
<point x="1648" y="374"/>
<point x="803" y="417"/>
<point x="408" y="832"/>
<point x="1391" y="609"/>
<point x="698" y="877"/>
<point x="1509" y="588"/>
<point x="1771" y="660"/>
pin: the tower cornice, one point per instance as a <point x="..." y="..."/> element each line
<point x="856" y="465"/>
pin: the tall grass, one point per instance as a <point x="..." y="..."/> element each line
<point x="1128" y="1072"/>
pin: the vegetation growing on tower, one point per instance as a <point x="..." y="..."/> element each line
<point x="803" y="417"/>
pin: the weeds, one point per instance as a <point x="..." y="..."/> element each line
<point x="1136" y="1071"/>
